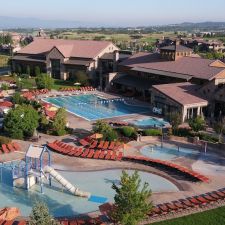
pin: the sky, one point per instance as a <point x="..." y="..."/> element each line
<point x="118" y="12"/>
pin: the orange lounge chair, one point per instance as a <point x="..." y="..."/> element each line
<point x="94" y="144"/>
<point x="5" y="149"/>
<point x="85" y="153"/>
<point x="16" y="146"/>
<point x="10" y="147"/>
<point x="164" y="208"/>
<point x="9" y="222"/>
<point x="102" y="154"/>
<point x="120" y="156"/>
<point x="106" y="145"/>
<point x="79" y="152"/>
<point x="187" y="203"/>
<point x="113" y="156"/>
<point x="108" y="156"/>
<point x="101" y="144"/>
<point x="97" y="154"/>
<point x="83" y="142"/>
<point x="171" y="206"/>
<point x="112" y="145"/>
<point x="22" y="222"/>
<point x="91" y="153"/>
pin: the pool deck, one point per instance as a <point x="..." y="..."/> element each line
<point x="210" y="169"/>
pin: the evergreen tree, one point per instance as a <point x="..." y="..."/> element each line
<point x="40" y="215"/>
<point x="59" y="122"/>
<point x="131" y="201"/>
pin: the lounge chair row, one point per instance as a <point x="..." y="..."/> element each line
<point x="78" y="89"/>
<point x="40" y="92"/>
<point x="118" y="123"/>
<point x="90" y="221"/>
<point x="168" y="165"/>
<point x="106" y="145"/>
<point x="7" y="148"/>
<point x="13" y="222"/>
<point x="188" y="203"/>
<point x="69" y="150"/>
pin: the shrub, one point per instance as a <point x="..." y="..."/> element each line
<point x="106" y="130"/>
<point x="208" y="137"/>
<point x="18" y="99"/>
<point x="128" y="131"/>
<point x="37" y="71"/>
<point x="44" y="81"/>
<point x="4" y="140"/>
<point x="197" y="123"/>
<point x="175" y="119"/>
<point x="152" y="132"/>
<point x="183" y="132"/>
<point x="5" y="86"/>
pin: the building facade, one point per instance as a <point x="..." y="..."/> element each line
<point x="63" y="58"/>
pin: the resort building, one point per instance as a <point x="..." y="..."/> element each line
<point x="143" y="74"/>
<point x="62" y="58"/>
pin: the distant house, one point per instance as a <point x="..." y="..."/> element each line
<point x="63" y="58"/>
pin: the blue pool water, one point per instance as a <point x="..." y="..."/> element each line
<point x="148" y="122"/>
<point x="62" y="203"/>
<point x="92" y="107"/>
<point x="168" y="152"/>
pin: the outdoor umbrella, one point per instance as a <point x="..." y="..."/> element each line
<point x="96" y="136"/>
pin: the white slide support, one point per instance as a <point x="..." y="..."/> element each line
<point x="65" y="183"/>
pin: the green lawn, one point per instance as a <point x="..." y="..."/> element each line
<point x="30" y="83"/>
<point x="62" y="83"/>
<point x="211" y="217"/>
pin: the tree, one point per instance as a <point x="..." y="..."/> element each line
<point x="106" y="130"/>
<point x="28" y="70"/>
<point x="81" y="77"/>
<point x="21" y="122"/>
<point x="59" y="122"/>
<point x="175" y="120"/>
<point x="44" y="81"/>
<point x="197" y="123"/>
<point x="219" y="127"/>
<point x="37" y="71"/>
<point x="131" y="200"/>
<point x="40" y="215"/>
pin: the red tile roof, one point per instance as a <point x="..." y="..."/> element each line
<point x="69" y="48"/>
<point x="195" y="67"/>
<point x="183" y="93"/>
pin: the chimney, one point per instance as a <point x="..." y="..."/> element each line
<point x="177" y="42"/>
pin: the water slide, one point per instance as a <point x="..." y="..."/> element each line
<point x="65" y="183"/>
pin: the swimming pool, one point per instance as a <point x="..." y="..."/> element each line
<point x="63" y="204"/>
<point x="148" y="122"/>
<point x="93" y="107"/>
<point x="168" y="152"/>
